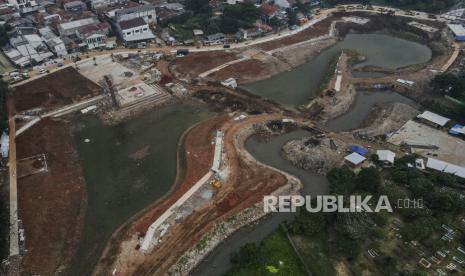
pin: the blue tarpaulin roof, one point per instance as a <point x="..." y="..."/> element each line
<point x="358" y="149"/>
<point x="456" y="130"/>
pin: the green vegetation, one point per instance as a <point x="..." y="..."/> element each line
<point x="450" y="85"/>
<point x="4" y="38"/>
<point x="200" y="15"/>
<point x="238" y="16"/>
<point x="420" y="5"/>
<point x="4" y="223"/>
<point x="3" y="107"/>
<point x="329" y="240"/>
<point x="273" y="256"/>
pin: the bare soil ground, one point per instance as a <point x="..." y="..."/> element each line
<point x="259" y="67"/>
<point x="51" y="204"/>
<point x="246" y="186"/>
<point x="199" y="62"/>
<point x="318" y="29"/>
<point x="246" y="71"/>
<point x="55" y="90"/>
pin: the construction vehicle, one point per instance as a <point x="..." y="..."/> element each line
<point x="216" y="183"/>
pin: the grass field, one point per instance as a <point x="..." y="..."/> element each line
<point x="277" y="257"/>
<point x="315" y="252"/>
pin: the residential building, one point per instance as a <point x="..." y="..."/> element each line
<point x="268" y="11"/>
<point x="7" y="13"/>
<point x="97" y="4"/>
<point x="70" y="28"/>
<point x="27" y="49"/>
<point x="25" y="6"/>
<point x="134" y="30"/>
<point x="146" y="12"/>
<point x="217" y="38"/>
<point x="75" y="6"/>
<point x="53" y="42"/>
<point x="249" y="33"/>
<point x="169" y="10"/>
<point x="94" y="36"/>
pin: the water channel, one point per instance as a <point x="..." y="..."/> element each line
<point x="126" y="167"/>
<point x="299" y="85"/>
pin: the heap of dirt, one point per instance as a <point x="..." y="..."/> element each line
<point x="55" y="90"/>
<point x="51" y="204"/>
<point x="388" y="118"/>
<point x="312" y="153"/>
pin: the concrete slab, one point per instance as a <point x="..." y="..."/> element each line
<point x="449" y="148"/>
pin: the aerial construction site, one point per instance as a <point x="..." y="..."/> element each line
<point x="146" y="161"/>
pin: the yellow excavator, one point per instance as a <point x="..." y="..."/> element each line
<point x="216" y="183"/>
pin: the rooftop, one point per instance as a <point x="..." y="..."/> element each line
<point x="386" y="155"/>
<point x="132" y="23"/>
<point x="434" y="118"/>
<point x="446" y="167"/>
<point x="430" y="142"/>
<point x="355" y="158"/>
<point x="135" y="9"/>
<point x="457" y="29"/>
<point x="78" y="23"/>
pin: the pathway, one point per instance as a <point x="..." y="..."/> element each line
<point x="14" y="238"/>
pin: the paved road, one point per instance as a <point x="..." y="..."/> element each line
<point x="14" y="242"/>
<point x="322" y="15"/>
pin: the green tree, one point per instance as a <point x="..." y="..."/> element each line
<point x="198" y="6"/>
<point x="369" y="179"/>
<point x="291" y="17"/>
<point x="4" y="37"/>
<point x="242" y="15"/>
<point x="341" y="180"/>
<point x="421" y="228"/>
<point x="346" y="247"/>
<point x="308" y="223"/>
<point x="387" y="265"/>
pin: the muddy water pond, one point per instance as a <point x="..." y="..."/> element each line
<point x="299" y="85"/>
<point x="126" y="168"/>
<point x="364" y="102"/>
